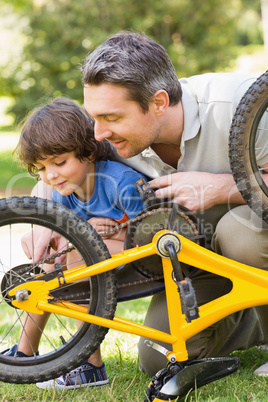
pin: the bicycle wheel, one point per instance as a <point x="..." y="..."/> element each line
<point x="248" y="146"/>
<point x="63" y="345"/>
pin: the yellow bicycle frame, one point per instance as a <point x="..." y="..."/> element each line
<point x="249" y="289"/>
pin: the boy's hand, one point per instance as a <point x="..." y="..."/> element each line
<point x="102" y="225"/>
<point x="40" y="243"/>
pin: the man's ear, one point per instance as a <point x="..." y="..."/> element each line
<point x="161" y="101"/>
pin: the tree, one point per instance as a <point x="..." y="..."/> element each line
<point x="57" y="35"/>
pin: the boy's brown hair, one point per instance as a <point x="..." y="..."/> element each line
<point x="59" y="126"/>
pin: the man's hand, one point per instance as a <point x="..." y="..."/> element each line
<point x="197" y="191"/>
<point x="40" y="243"/>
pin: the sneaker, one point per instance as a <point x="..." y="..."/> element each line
<point x="85" y="375"/>
<point x="262" y="371"/>
<point x="13" y="351"/>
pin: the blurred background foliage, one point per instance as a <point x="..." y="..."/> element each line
<point x="44" y="42"/>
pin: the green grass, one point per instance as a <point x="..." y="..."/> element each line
<point x="127" y="383"/>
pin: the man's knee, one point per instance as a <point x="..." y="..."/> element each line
<point x="242" y="236"/>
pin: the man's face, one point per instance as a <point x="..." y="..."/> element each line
<point x="119" y="120"/>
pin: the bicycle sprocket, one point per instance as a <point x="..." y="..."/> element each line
<point x="16" y="276"/>
<point x="158" y="217"/>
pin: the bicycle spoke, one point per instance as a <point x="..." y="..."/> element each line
<point x="12" y="274"/>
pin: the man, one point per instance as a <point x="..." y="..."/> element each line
<point x="176" y="131"/>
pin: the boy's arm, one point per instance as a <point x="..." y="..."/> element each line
<point x="40" y="235"/>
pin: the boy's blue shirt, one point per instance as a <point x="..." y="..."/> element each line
<point x="114" y="194"/>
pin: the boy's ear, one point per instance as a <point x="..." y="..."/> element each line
<point x="160" y="101"/>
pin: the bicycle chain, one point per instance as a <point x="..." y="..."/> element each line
<point x="53" y="256"/>
<point x="149" y="213"/>
<point x="141" y="282"/>
<point x="125" y="224"/>
<point x="72" y="296"/>
<point x="115" y="230"/>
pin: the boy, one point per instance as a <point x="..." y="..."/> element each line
<point x="57" y="145"/>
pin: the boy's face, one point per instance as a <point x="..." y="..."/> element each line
<point x="67" y="174"/>
<point x="119" y="120"/>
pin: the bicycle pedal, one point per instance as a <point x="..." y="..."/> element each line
<point x="188" y="299"/>
<point x="146" y="193"/>
<point x="177" y="380"/>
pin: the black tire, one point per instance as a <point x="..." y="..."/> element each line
<point x="247" y="127"/>
<point x="65" y="346"/>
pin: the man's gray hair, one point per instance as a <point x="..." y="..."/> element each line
<point x="135" y="62"/>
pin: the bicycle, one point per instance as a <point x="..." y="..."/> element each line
<point x="87" y="291"/>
